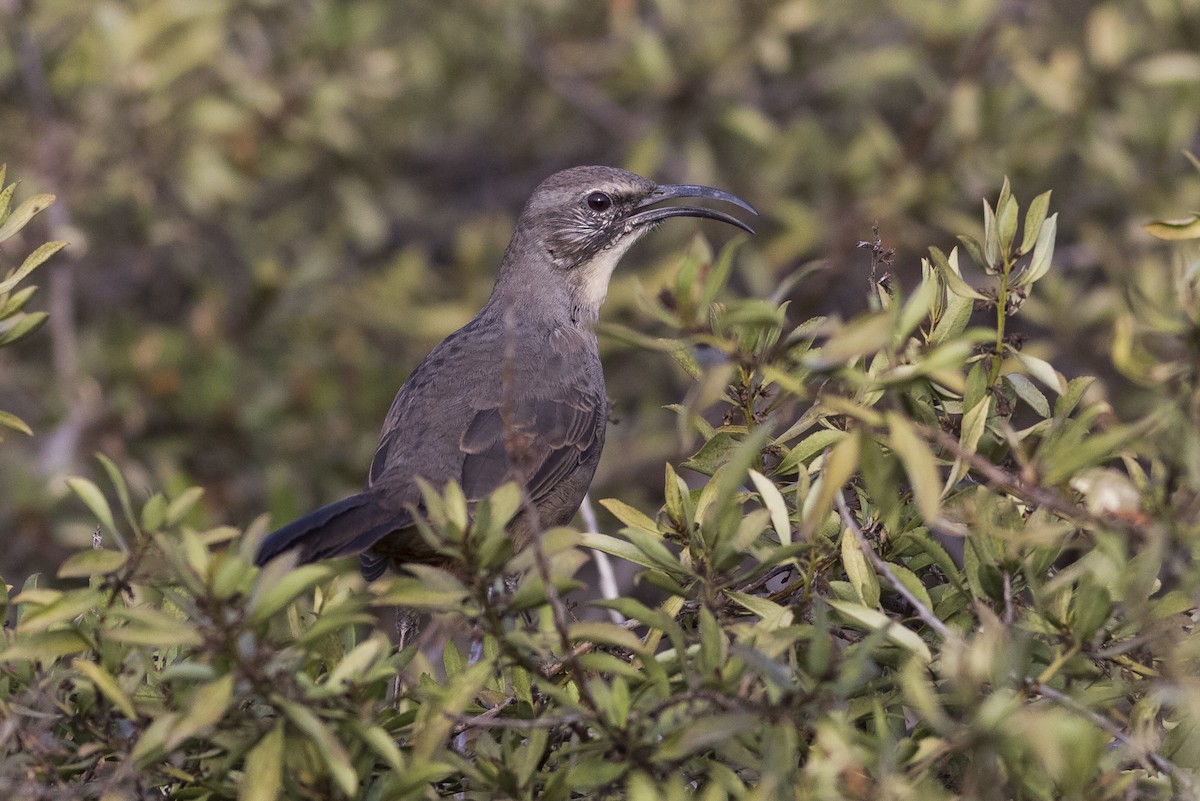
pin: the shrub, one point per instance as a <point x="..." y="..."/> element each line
<point x="919" y="562"/>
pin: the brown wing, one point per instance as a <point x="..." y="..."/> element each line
<point x="549" y="438"/>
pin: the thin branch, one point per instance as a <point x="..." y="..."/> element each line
<point x="1157" y="760"/>
<point x="489" y="720"/>
<point x="1031" y="494"/>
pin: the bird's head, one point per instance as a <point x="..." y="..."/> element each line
<point x="584" y="219"/>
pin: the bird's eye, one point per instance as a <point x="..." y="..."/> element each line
<point x="598" y="201"/>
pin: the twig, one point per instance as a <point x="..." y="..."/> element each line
<point x="489" y="720"/>
<point x="884" y="570"/>
<point x="1157" y="760"/>
<point x="1029" y="493"/>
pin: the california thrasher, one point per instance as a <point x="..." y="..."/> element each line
<point x="518" y="392"/>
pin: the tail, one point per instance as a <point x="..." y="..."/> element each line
<point x="345" y="527"/>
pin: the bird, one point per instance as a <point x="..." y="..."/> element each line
<point x="515" y="394"/>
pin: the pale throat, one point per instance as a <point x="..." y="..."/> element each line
<point x="589" y="280"/>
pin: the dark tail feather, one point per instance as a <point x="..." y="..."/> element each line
<point x="341" y="528"/>
<point x="372" y="565"/>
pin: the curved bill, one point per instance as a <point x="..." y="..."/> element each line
<point x="669" y="191"/>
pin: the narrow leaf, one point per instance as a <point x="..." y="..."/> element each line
<point x="16" y="423"/>
<point x="1043" y="253"/>
<point x="859" y="571"/>
<point x="107" y="685"/>
<point x="91" y="563"/>
<point x="1175" y="230"/>
<point x="21" y="215"/>
<point x="269" y="598"/>
<point x="1029" y="393"/>
<point x="262" y="777"/>
<point x="332" y="752"/>
<point x="1035" y="215"/>
<point x="22" y="326"/>
<point x="974" y="423"/>
<point x="919" y="465"/>
<point x="874" y="620"/>
<point x="94" y="499"/>
<point x="948" y="269"/>
<point x="1042" y="371"/>
<point x="773" y="500"/>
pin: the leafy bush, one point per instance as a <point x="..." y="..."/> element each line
<point x="919" y="562"/>
<point x="281" y="206"/>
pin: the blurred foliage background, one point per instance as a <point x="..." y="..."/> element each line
<point x="276" y="207"/>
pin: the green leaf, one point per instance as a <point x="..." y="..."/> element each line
<point x="94" y="499"/>
<point x="860" y="337"/>
<point x="22" y="326"/>
<point x="64" y="607"/>
<point x="1006" y="218"/>
<point x="629" y="515"/>
<point x="149" y="626"/>
<point x="16" y="423"/>
<point x="34" y="260"/>
<point x="1029" y="393"/>
<point x="20" y="216"/>
<point x="353" y="665"/>
<point x="6" y="193"/>
<point x="182" y="504"/>
<point x="919" y="465"/>
<point x="1175" y="230"/>
<point x="15" y="302"/>
<point x="379" y="741"/>
<point x="991" y="240"/>
<point x="912" y="583"/>
<point x="415" y="593"/>
<point x="622" y="549"/>
<point x="332" y="752"/>
<point x="974" y="249"/>
<point x="1043" y="371"/>
<point x="1035" y="215"/>
<point x="706" y="732"/>
<point x="107" y="685"/>
<point x="916" y="308"/>
<point x="676" y="494"/>
<point x="435" y="719"/>
<point x="807" y="448"/>
<point x="262" y="777"/>
<point x="840" y="463"/>
<point x="118" y="482"/>
<point x="714" y="453"/>
<point x="954" y="320"/>
<point x="271" y="596"/>
<point x="598" y="631"/>
<point x="859" y="571"/>
<point x="1043" y="253"/>
<point x="43" y="646"/>
<point x="91" y="563"/>
<point x="773" y="501"/>
<point x="154" y="512"/>
<point x="773" y="615"/>
<point x="874" y="620"/>
<point x="974" y="423"/>
<point x="947" y="267"/>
